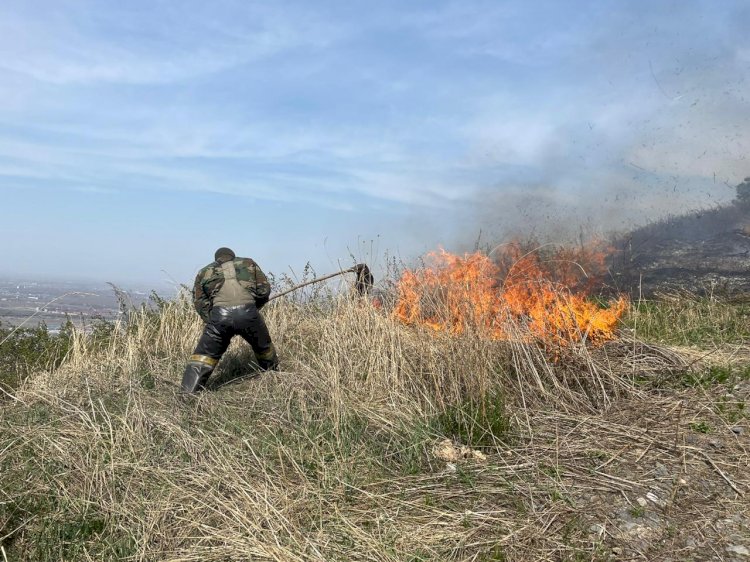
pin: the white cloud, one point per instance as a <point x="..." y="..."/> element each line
<point x="94" y="190"/>
<point x="58" y="48"/>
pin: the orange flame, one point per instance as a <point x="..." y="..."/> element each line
<point x="473" y="293"/>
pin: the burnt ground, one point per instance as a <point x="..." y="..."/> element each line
<point x="702" y="252"/>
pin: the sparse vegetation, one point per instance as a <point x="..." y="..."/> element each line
<point x="685" y="319"/>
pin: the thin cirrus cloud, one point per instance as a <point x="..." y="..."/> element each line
<point x="82" y="43"/>
<point x="304" y="168"/>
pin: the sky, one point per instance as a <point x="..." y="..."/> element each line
<point x="137" y="137"/>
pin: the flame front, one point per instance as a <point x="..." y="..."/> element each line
<point x="473" y="293"/>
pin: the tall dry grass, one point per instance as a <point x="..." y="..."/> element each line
<point x="330" y="459"/>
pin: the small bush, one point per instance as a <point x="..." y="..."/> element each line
<point x="26" y="350"/>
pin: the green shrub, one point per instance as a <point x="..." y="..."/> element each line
<point x="25" y="350"/>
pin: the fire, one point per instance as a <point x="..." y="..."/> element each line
<point x="474" y="293"/>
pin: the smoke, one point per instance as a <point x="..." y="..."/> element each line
<point x="676" y="157"/>
<point x="566" y="215"/>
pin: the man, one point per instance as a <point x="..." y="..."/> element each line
<point x="228" y="295"/>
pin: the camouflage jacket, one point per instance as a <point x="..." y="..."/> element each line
<point x="210" y="279"/>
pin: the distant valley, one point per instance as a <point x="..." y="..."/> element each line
<point x="53" y="302"/>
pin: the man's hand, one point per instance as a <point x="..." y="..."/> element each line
<point x="261" y="302"/>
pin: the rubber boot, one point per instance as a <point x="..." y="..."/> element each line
<point x="268" y="360"/>
<point x="195" y="377"/>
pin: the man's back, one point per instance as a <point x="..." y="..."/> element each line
<point x="230" y="282"/>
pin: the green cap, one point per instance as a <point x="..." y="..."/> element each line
<point x="225" y="253"/>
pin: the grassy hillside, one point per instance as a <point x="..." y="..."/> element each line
<point x="380" y="441"/>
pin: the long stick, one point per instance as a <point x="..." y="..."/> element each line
<point x="317" y="280"/>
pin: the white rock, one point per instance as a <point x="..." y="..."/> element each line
<point x="642" y="502"/>
<point x="654" y="498"/>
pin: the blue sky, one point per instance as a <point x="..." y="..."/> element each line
<point x="136" y="137"/>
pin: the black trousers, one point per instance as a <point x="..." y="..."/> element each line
<point x="223" y="324"/>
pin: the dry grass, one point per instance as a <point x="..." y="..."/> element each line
<point x="334" y="457"/>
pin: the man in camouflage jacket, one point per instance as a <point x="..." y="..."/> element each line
<point x="228" y="295"/>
